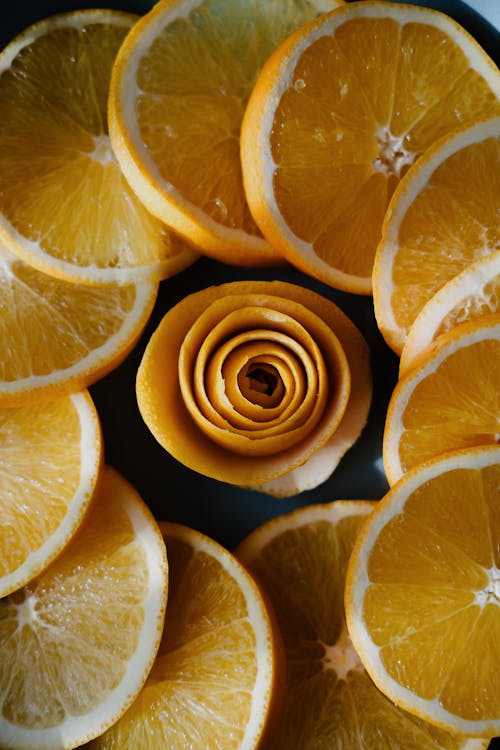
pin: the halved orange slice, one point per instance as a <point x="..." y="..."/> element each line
<point x="300" y="559"/>
<point x="339" y="112"/>
<point x="50" y="459"/>
<point x="443" y="217"/>
<point x="218" y="673"/>
<point x="471" y="294"/>
<point x="179" y="89"/>
<point x="449" y="399"/>
<point x="422" y="592"/>
<point x="63" y="336"/>
<point x="65" y="206"/>
<point x="78" y="642"/>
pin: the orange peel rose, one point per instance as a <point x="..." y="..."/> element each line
<point x="259" y="384"/>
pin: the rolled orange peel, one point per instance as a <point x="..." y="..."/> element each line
<point x="244" y="382"/>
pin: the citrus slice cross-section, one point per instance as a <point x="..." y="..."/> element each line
<point x="300" y="560"/>
<point x="422" y="598"/>
<point x="217" y="673"/>
<point x="63" y="336"/>
<point x="269" y="376"/>
<point x="65" y="207"/>
<point x="50" y="457"/>
<point x="339" y="112"/>
<point x="77" y="643"/>
<point x="443" y="217"/>
<point x="178" y="93"/>
<point x="449" y="400"/>
<point x="471" y="294"/>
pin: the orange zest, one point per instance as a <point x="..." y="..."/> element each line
<point x="269" y="374"/>
<point x="442" y="218"/>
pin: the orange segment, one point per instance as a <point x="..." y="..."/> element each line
<point x="238" y="419"/>
<point x="442" y="218"/>
<point x="217" y="672"/>
<point x="339" y="112"/>
<point x="50" y="456"/>
<point x="65" y="207"/>
<point x="422" y="592"/>
<point x="77" y="642"/>
<point x="448" y="400"/>
<point x="179" y="90"/>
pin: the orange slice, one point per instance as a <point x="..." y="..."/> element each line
<point x="471" y="294"/>
<point x="78" y="642"/>
<point x="450" y="399"/>
<point x="339" y="112"/>
<point x="63" y="336"/>
<point x="422" y="597"/>
<point x="217" y="672"/>
<point x="178" y="93"/>
<point x="300" y="559"/>
<point x="269" y="375"/>
<point x="50" y="456"/>
<point x="443" y="217"/>
<point x="65" y="207"/>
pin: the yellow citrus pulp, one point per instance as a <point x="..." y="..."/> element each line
<point x="300" y="560"/>
<point x="449" y="399"/>
<point x="469" y="295"/>
<point x="63" y="336"/>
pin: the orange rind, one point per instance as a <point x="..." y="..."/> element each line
<point x="267" y="375"/>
